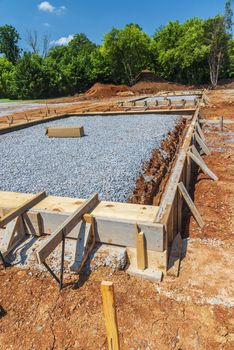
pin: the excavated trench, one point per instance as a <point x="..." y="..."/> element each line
<point x="150" y="185"/>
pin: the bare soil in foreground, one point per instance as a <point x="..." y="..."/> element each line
<point x="193" y="311"/>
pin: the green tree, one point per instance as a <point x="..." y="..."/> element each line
<point x="181" y="52"/>
<point x="217" y="39"/>
<point x="7" y="79"/>
<point x="29" y="77"/>
<point x="9" y="38"/>
<point x="127" y="52"/>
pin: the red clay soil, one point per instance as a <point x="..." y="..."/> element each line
<point x="99" y="90"/>
<point x="148" y="188"/>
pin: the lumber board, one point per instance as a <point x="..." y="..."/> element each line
<point x="85" y="244"/>
<point x="155" y="260"/>
<point x="141" y="251"/>
<point x="171" y="188"/>
<point x="21" y="209"/>
<point x="108" y="299"/>
<point x="203" y="166"/>
<point x="53" y="241"/>
<point x="191" y="205"/>
<point x="202" y="144"/>
<point x="64" y="131"/>
<point x="200" y="132"/>
<point x="175" y="256"/>
<point x="147" y="274"/>
<point x="13" y="235"/>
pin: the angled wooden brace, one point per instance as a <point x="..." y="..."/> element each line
<point x="13" y="235"/>
<point x="190" y="204"/>
<point x="200" y="132"/>
<point x="194" y="155"/>
<point x="202" y="144"/>
<point x="85" y="243"/>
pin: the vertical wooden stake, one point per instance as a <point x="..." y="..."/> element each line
<point x="221" y="123"/>
<point x="108" y="299"/>
<point x="140" y="250"/>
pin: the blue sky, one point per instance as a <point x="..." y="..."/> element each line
<point x="62" y="18"/>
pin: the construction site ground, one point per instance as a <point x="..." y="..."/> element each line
<point x="193" y="311"/>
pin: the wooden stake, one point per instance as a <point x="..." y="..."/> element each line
<point x="108" y="299"/>
<point x="191" y="205"/>
<point x="140" y="250"/>
<point x="221" y="123"/>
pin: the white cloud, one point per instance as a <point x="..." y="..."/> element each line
<point x="47" y="7"/>
<point x="45" y="24"/>
<point x="62" y="41"/>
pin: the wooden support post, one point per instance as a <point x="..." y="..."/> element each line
<point x="85" y="243"/>
<point x="140" y="250"/>
<point x="72" y="221"/>
<point x="221" y="122"/>
<point x="202" y="144"/>
<point x="21" y="209"/>
<point x="191" y="205"/>
<point x="200" y="162"/>
<point x="108" y="299"/>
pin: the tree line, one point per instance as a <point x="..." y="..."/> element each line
<point x="194" y="52"/>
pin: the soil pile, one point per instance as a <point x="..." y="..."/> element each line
<point x="99" y="90"/>
<point x="143" y="87"/>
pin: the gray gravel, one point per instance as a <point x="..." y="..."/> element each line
<point x="107" y="160"/>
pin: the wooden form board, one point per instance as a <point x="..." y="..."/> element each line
<point x="22" y="208"/>
<point x="170" y="209"/>
<point x="115" y="222"/>
<point x="64" y="132"/>
<point x="19" y="126"/>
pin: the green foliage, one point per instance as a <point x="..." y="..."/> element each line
<point x="181" y="51"/>
<point x="194" y="52"/>
<point x="126" y="52"/>
<point x="9" y="38"/>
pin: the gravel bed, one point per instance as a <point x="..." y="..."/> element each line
<point x="107" y="160"/>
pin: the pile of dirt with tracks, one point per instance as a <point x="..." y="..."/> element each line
<point x="99" y="90"/>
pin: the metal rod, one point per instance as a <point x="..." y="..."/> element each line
<point x="51" y="272"/>
<point x="62" y="260"/>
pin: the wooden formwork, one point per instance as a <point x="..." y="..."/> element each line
<point x="122" y="224"/>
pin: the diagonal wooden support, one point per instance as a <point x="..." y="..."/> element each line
<point x="200" y="162"/>
<point x="21" y="209"/>
<point x="13" y="235"/>
<point x="85" y="243"/>
<point x="202" y="144"/>
<point x="200" y="132"/>
<point x="190" y="204"/>
<point x="70" y="223"/>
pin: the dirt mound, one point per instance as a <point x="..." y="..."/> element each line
<point x="226" y="84"/>
<point x="99" y="90"/>
<point x="146" y="75"/>
<point x="144" y="87"/>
